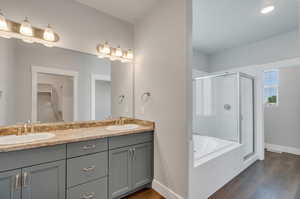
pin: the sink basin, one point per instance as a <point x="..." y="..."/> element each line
<point x="31" y="137"/>
<point x="122" y="127"/>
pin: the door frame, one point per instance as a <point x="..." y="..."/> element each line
<point x="35" y="70"/>
<point x="94" y="78"/>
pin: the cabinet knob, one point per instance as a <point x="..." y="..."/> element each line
<point x="88" y="196"/>
<point x="89" y="147"/>
<point x="88" y="169"/>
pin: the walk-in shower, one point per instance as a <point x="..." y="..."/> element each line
<point x="223" y="115"/>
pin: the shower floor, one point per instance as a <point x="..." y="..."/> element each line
<point x="277" y="177"/>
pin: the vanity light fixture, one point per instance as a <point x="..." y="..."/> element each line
<point x="129" y="54"/>
<point x="106" y="49"/>
<point x="26" y="32"/>
<point x="114" y="54"/>
<point x="3" y="23"/>
<point x="26" y="28"/>
<point x="49" y="34"/>
<point x="267" y="7"/>
<point x="119" y="52"/>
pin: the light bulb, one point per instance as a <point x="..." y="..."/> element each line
<point x="3" y="23"/>
<point x="267" y="7"/>
<point x="49" y="34"/>
<point x="113" y="55"/>
<point x="129" y="54"/>
<point x="119" y="52"/>
<point x="26" y="28"/>
<point x="106" y="48"/>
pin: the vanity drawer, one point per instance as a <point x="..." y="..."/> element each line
<point x="92" y="190"/>
<point x="127" y="140"/>
<point x="86" y="168"/>
<point x="25" y="158"/>
<point x="87" y="147"/>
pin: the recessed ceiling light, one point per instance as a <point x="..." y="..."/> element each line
<point x="267" y="9"/>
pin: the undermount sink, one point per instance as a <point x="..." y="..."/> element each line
<point x="122" y="127"/>
<point x="20" y="139"/>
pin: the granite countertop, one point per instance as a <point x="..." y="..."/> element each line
<point x="76" y="135"/>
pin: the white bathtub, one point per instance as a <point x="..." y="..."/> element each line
<point x="207" y="148"/>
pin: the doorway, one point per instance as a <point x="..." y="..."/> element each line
<point x="54" y="95"/>
<point x="100" y="97"/>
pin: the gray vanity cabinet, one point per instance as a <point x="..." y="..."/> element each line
<point x="120" y="168"/>
<point x="142" y="165"/>
<point x="46" y="181"/>
<point x="10" y="184"/>
<point x="130" y="168"/>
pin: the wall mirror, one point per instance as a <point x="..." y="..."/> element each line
<point x="46" y="85"/>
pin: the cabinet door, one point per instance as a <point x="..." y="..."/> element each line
<point x="120" y="161"/>
<point x="10" y="185"/>
<point x="142" y="165"/>
<point x="45" y="181"/>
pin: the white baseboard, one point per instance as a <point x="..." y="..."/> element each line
<point x="281" y="149"/>
<point x="165" y="191"/>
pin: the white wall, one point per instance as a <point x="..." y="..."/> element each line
<point x="273" y="49"/>
<point x="80" y="27"/>
<point x="282" y="125"/>
<point x="162" y="45"/>
<point x="102" y="99"/>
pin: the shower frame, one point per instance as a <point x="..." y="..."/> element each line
<point x="239" y="106"/>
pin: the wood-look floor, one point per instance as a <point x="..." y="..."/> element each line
<point x="145" y="194"/>
<point x="277" y="177"/>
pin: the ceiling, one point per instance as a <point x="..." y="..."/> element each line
<point x="223" y="24"/>
<point x="128" y="10"/>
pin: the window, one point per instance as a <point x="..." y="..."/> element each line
<point x="271" y="83"/>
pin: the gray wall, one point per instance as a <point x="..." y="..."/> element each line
<point x="273" y="49"/>
<point x="162" y="44"/>
<point x="7" y="81"/>
<point x="122" y="84"/>
<point x="200" y="61"/>
<point x="282" y="126"/>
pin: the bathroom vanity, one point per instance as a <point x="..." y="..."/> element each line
<point x="82" y="163"/>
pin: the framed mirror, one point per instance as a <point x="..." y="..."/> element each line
<point x="47" y="85"/>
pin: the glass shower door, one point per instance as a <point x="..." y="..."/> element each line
<point x="247" y="114"/>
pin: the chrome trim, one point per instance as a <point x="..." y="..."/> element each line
<point x="216" y="75"/>
<point x="17" y="182"/>
<point x="89" y="169"/>
<point x="89" y="147"/>
<point x="26" y="179"/>
<point x="88" y="196"/>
